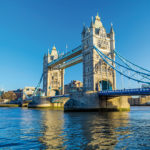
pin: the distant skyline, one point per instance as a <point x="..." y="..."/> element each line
<point x="28" y="28"/>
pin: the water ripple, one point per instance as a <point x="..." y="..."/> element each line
<point x="51" y="129"/>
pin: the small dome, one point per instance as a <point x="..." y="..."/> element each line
<point x="54" y="52"/>
<point x="98" y="23"/>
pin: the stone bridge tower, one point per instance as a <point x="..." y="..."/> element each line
<point x="53" y="78"/>
<point x="97" y="75"/>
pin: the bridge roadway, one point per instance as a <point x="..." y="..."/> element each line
<point x="126" y="92"/>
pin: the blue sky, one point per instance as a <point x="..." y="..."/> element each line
<point x="29" y="27"/>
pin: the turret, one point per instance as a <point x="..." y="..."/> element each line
<point x="112" y="33"/>
<point x="92" y="23"/>
<point x="98" y="23"/>
<point x="112" y="38"/>
<point x="54" y="53"/>
<point x="83" y="31"/>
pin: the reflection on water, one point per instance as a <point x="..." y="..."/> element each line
<point x="51" y="129"/>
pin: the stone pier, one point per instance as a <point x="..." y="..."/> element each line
<point x="91" y="101"/>
<point x="47" y="102"/>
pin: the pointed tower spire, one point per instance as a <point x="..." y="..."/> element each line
<point x="54" y="52"/>
<point x="92" y="22"/>
<point x="84" y="29"/>
<point x="48" y="51"/>
<point x="111" y="30"/>
<point x="97" y="17"/>
<point x="97" y="14"/>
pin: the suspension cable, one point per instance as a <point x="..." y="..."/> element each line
<point x="121" y="57"/>
<point x="122" y="65"/>
<point x="117" y="69"/>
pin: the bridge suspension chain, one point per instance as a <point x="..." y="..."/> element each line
<point x="129" y="63"/>
<point x="132" y="65"/>
<point x="38" y="86"/>
<point x="142" y="76"/>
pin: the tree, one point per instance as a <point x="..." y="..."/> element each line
<point x="9" y="95"/>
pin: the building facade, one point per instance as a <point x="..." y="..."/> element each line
<point x="97" y="75"/>
<point x="73" y="86"/>
<point x="53" y="78"/>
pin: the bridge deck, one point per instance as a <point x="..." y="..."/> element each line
<point x="128" y="92"/>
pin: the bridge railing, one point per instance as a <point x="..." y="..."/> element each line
<point x="126" y="91"/>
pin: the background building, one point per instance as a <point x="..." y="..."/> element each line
<point x="73" y="86"/>
<point x="25" y="93"/>
<point x="1" y="92"/>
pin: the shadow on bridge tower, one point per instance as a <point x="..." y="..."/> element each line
<point x="53" y="78"/>
<point x="97" y="75"/>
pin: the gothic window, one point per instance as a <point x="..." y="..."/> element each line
<point x="97" y="31"/>
<point x="52" y="57"/>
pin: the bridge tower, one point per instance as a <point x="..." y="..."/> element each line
<point x="53" y="78"/>
<point x="97" y="75"/>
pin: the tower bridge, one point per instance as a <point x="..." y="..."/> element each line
<point x="94" y="68"/>
<point x="98" y="55"/>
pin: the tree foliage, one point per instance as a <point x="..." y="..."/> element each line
<point x="9" y="95"/>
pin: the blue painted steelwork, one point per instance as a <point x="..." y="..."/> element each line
<point x="129" y="92"/>
<point x="131" y="65"/>
<point x="38" y="86"/>
<point x="102" y="55"/>
<point x="66" y="55"/>
<point x="120" y="64"/>
<point x="127" y="61"/>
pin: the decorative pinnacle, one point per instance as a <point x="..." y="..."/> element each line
<point x="91" y="22"/>
<point x="111" y="24"/>
<point x="97" y="17"/>
<point x="92" y="18"/>
<point x="83" y="28"/>
<point x="97" y="14"/>
<point x="48" y="50"/>
<point x="83" y="24"/>
<point x="111" y="30"/>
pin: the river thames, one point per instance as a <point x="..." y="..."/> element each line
<point x="22" y="128"/>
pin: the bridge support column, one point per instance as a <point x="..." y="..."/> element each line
<point x="91" y="101"/>
<point x="119" y="103"/>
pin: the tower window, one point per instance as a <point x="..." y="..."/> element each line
<point x="99" y="44"/>
<point x="97" y="31"/>
<point x="52" y="57"/>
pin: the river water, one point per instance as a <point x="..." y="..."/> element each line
<point x="22" y="128"/>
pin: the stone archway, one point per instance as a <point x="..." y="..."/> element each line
<point x="56" y="92"/>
